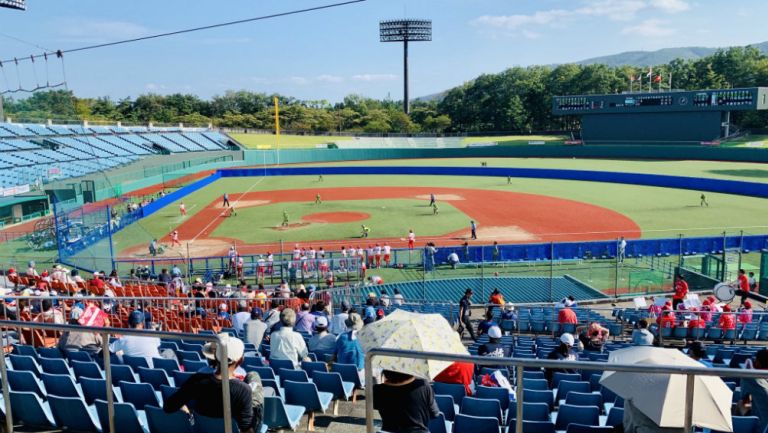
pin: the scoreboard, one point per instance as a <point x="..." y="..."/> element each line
<point x="659" y="116"/>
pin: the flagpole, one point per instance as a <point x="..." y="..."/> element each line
<point x="670" y="80"/>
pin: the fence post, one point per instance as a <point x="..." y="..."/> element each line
<point x="519" y="399"/>
<point x="6" y="391"/>
<point x="725" y="257"/>
<point x="616" y="276"/>
<point x="551" y="269"/>
<point x="108" y="371"/>
<point x="689" y="385"/>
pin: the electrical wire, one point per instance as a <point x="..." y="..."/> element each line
<point x="190" y="30"/>
<point x="5" y="35"/>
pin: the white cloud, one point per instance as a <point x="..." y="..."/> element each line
<point x="374" y="77"/>
<point x="650" y="29"/>
<point x="153" y="87"/>
<point x="325" y="78"/>
<point x="90" y="30"/>
<point x="299" y="80"/>
<point x="530" y="35"/>
<point x="614" y="10"/>
<point x="671" y="6"/>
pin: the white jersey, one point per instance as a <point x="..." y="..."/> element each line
<point x="386" y="249"/>
<point x="411" y="236"/>
<point x="377" y="250"/>
<point x="312" y="254"/>
<point x="296" y="254"/>
<point x="352" y="252"/>
<point x="344" y="253"/>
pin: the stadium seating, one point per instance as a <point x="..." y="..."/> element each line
<point x="32" y="152"/>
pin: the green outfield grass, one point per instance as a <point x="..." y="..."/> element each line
<point x="660" y="212"/>
<point x="760" y="141"/>
<point x="388" y="218"/>
<point x="263" y="141"/>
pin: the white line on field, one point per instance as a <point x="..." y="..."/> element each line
<point x="225" y="209"/>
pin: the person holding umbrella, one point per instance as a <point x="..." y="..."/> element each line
<point x="405" y="403"/>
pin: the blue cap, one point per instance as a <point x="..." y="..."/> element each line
<point x="370" y="313"/>
<point x="135" y="318"/>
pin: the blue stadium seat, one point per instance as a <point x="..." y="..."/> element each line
<point x="446" y="406"/>
<point x="312" y="366"/>
<point x="139" y="394"/>
<point x="94" y="389"/>
<point x="50" y="353"/>
<point x="167" y="364"/>
<point x="278" y="415"/>
<point x="567" y="414"/>
<point x="127" y="419"/>
<point x="179" y="377"/>
<point x="25" y="363"/>
<point x="475" y="424"/>
<point x="24" y="350"/>
<point x="332" y="383"/>
<point x="292" y="375"/>
<point x="534" y="412"/>
<point x="457" y="391"/>
<point x="481" y="407"/>
<point x="160" y="422"/>
<point x="25" y="381"/>
<point x="264" y="372"/>
<point x="86" y="369"/>
<point x="558" y="376"/>
<point x="566" y="386"/>
<point x="73" y="414"/>
<point x="78" y="355"/>
<point x="536" y="396"/>
<point x="615" y="417"/>
<point x="193" y="366"/>
<point x="167" y="391"/>
<point x="154" y="376"/>
<point x="496" y="393"/>
<point x="29" y="409"/>
<point x="62" y="385"/>
<point x="744" y="424"/>
<point x="535" y="384"/>
<point x="205" y="424"/>
<point x="122" y="373"/>
<point x="533" y="426"/>
<point x="538" y="375"/>
<point x="135" y="362"/>
<point x="581" y="428"/>
<point x="55" y="366"/>
<point x="439" y="424"/>
<point x="307" y="395"/>
<point x="584" y="399"/>
<point x="277" y="364"/>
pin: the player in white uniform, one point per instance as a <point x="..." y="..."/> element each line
<point x="387" y="250"/>
<point x="411" y="239"/>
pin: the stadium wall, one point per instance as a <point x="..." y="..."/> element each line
<point x="668" y="151"/>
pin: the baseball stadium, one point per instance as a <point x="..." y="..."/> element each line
<point x="576" y="275"/>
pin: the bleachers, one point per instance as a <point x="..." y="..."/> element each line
<point x="28" y="151"/>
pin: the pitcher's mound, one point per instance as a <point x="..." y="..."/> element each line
<point x="335" y="217"/>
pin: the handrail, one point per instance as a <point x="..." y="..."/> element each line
<point x="520" y="364"/>
<point x="105" y="333"/>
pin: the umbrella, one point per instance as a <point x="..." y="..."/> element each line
<point x="412" y="331"/>
<point x="661" y="397"/>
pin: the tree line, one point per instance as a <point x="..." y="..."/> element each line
<point x="518" y="99"/>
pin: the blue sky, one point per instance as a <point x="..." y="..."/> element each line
<point x="332" y="53"/>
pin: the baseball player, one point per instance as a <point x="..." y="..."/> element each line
<point x="411" y="239"/>
<point x="182" y="209"/>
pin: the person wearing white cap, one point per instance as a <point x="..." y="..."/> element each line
<point x="564" y="352"/>
<point x="322" y="342"/>
<point x="493" y="347"/>
<point x="204" y="388"/>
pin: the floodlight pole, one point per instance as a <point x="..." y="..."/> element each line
<point x="405" y="30"/>
<point x="406" y="100"/>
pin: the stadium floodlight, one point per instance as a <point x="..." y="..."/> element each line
<point x="407" y="30"/>
<point x="14" y="4"/>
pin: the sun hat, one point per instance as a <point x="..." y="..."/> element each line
<point x="235" y="348"/>
<point x="567" y="339"/>
<point x="494" y="332"/>
<point x="354" y="322"/>
<point x="321" y="322"/>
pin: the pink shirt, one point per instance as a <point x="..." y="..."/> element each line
<point x="745" y="316"/>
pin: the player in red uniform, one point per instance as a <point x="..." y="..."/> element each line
<point x="681" y="291"/>
<point x="175" y="238"/>
<point x="743" y="286"/>
<point x="182" y="209"/>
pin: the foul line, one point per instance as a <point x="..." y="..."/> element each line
<point x="225" y="210"/>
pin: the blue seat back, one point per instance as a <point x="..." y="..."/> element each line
<point x="744" y="424"/>
<point x="312" y="366"/>
<point x="140" y="394"/>
<point x="302" y="394"/>
<point x="482" y="407"/>
<point x="94" y="389"/>
<point x="615" y="416"/>
<point x="277" y="364"/>
<point x="277" y="416"/>
<point x="348" y="373"/>
<point x="179" y="377"/>
<point x="496" y="393"/>
<point x="153" y="376"/>
<point x="161" y="422"/>
<point x="86" y="369"/>
<point x="50" y="353"/>
<point x="25" y="363"/>
<point x="54" y="365"/>
<point x="330" y="382"/>
<point x="455" y="390"/>
<point x="205" y="424"/>
<point x="60" y="384"/>
<point x="584" y="399"/>
<point x="78" y="355"/>
<point x="135" y="362"/>
<point x="24" y="381"/>
<point x="568" y="413"/>
<point x="167" y="364"/>
<point x="264" y="372"/>
<point x="186" y="355"/>
<point x="28" y="408"/>
<point x="126" y="417"/>
<point x="122" y="373"/>
<point x="536" y="396"/>
<point x="71" y="413"/>
<point x="533" y="426"/>
<point x="445" y="405"/>
<point x="558" y="376"/>
<point x="24" y="350"/>
<point x="537" y="384"/>
<point x="581" y="428"/>
<point x="193" y="366"/>
<point x="437" y="424"/>
<point x="535" y="412"/>
<point x="566" y="386"/>
<point x="292" y="375"/>
<point x="475" y="424"/>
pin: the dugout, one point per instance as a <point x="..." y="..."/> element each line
<point x="22" y="208"/>
<point x="663" y="117"/>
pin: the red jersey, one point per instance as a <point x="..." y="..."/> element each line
<point x="459" y="372"/>
<point x="697" y="323"/>
<point x="566" y="315"/>
<point x="681" y="289"/>
<point x="743" y="283"/>
<point x="667" y="321"/>
<point x="727" y="321"/>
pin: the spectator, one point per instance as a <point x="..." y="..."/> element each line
<point x="164" y="277"/>
<point x="681" y="291"/>
<point x="727" y="321"/>
<point x="654" y="310"/>
<point x="743" y="286"/>
<point x="405" y="403"/>
<point x="371" y="301"/>
<point x="322" y="342"/>
<point x="384" y="300"/>
<point x="641" y="336"/>
<point x="255" y="328"/>
<point x="493" y="348"/>
<point x="496" y="299"/>
<point x="370" y="315"/>
<point x="566" y="316"/>
<point x="49" y="314"/>
<point x="348" y="349"/>
<point x="752" y="282"/>
<point x="572" y="301"/>
<point x="76" y="340"/>
<point x="745" y="316"/>
<point x="593" y="337"/>
<point x="509" y="315"/>
<point x="134" y="345"/>
<point x="453" y="260"/>
<point x="338" y="321"/>
<point x="242" y="316"/>
<point x="398" y="298"/>
<point x="223" y="311"/>
<point x="204" y="389"/>
<point x="667" y="319"/>
<point x="286" y="343"/>
<point x="754" y="392"/>
<point x="379" y="314"/>
<point x="486" y="324"/>
<point x="563" y="352"/>
<point x="706" y="311"/>
<point x="465" y="305"/>
<point x="462" y="373"/>
<point x="31" y="271"/>
<point x="698" y="352"/>
<point x="696" y="321"/>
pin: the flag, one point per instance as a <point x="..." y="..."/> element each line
<point x="93" y="316"/>
<point x="657" y="79"/>
<point x="650" y="72"/>
<point x="632" y="78"/>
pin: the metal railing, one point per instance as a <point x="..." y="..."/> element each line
<point x="520" y="364"/>
<point x="105" y="333"/>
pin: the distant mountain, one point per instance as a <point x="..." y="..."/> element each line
<point x="658" y="57"/>
<point x="635" y="58"/>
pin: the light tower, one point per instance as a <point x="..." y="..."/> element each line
<point x="13" y="4"/>
<point x="407" y="30"/>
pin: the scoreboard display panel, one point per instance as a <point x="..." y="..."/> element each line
<point x="755" y="98"/>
